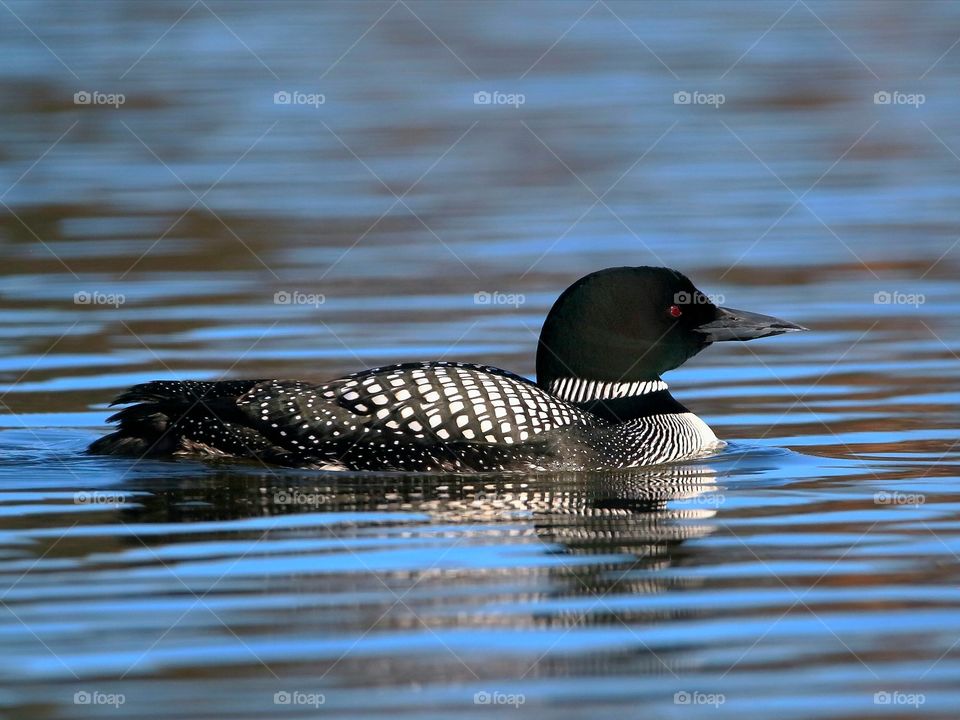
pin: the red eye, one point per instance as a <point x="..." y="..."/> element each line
<point x="675" y="311"/>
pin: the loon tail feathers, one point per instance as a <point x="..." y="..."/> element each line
<point x="189" y="391"/>
<point x="155" y="423"/>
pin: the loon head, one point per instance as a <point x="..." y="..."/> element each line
<point x="630" y="324"/>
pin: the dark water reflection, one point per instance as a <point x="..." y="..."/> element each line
<point x="809" y="567"/>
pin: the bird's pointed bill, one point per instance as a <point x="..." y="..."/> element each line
<point x="733" y="324"/>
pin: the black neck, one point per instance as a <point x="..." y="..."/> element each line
<point x="619" y="410"/>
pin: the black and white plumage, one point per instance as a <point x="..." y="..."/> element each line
<point x="451" y="416"/>
<point x="422" y="416"/>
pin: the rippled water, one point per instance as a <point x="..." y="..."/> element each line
<point x="810" y="570"/>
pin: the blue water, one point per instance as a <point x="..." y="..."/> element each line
<point x="809" y="570"/>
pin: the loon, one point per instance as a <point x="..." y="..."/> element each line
<point x="598" y="402"/>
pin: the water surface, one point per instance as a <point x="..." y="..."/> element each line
<point x="201" y="230"/>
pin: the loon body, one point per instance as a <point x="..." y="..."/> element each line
<point x="599" y="401"/>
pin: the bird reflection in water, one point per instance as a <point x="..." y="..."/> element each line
<point x="645" y="512"/>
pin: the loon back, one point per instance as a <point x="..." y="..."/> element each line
<point x="446" y="416"/>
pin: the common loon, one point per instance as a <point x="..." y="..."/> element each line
<point x="598" y="402"/>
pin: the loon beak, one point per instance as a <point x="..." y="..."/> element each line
<point x="742" y="325"/>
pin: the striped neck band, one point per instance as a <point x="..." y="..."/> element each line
<point x="580" y="390"/>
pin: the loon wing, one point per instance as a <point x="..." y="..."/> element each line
<point x="405" y="413"/>
<point x="415" y="416"/>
